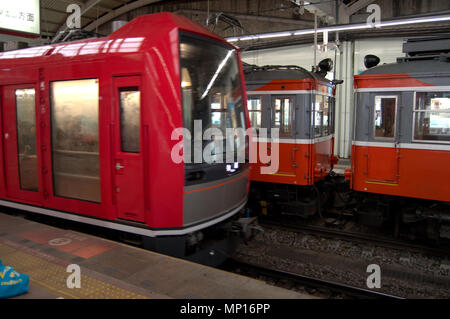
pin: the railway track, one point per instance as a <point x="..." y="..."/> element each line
<point x="306" y="281"/>
<point x="382" y="240"/>
<point x="337" y="259"/>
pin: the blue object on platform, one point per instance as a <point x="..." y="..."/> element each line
<point x="11" y="282"/>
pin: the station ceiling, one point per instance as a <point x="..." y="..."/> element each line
<point x="54" y="12"/>
<point x="230" y="18"/>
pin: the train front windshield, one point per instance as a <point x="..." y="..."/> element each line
<point x="212" y="94"/>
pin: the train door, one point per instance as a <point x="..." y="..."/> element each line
<point x="383" y="160"/>
<point x="20" y="145"/>
<point x="128" y="159"/>
<point x="284" y="120"/>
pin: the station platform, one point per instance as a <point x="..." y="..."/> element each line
<point x="114" y="270"/>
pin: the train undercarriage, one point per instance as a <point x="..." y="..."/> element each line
<point x="332" y="199"/>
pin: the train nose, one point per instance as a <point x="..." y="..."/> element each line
<point x="209" y="200"/>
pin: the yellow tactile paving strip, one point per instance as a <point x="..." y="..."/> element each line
<point x="53" y="277"/>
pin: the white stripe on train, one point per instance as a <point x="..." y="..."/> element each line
<point x="287" y="92"/>
<point x="293" y="141"/>
<point x="405" y="89"/>
<point x="118" y="226"/>
<point x="414" y="146"/>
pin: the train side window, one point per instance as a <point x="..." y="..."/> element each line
<point x="385" y="112"/>
<point x="326" y="116"/>
<point x="75" y="139"/>
<point x="277" y="113"/>
<point x="26" y="139"/>
<point x="254" y="110"/>
<point x="318" y="115"/>
<point x="287" y="111"/>
<point x="219" y="112"/>
<point x="130" y="119"/>
<point x="432" y="116"/>
<point x="332" y="114"/>
<point x="283" y="116"/>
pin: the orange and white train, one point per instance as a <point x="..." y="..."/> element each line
<point x="401" y="146"/>
<point x="300" y="104"/>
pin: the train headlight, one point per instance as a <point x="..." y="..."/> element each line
<point x="232" y="168"/>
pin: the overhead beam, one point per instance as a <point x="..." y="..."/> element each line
<point x="65" y="13"/>
<point x="326" y="9"/>
<point x="358" y="5"/>
<point x="84" y="8"/>
<point x="118" y="12"/>
<point x="81" y="3"/>
<point x="345" y="11"/>
<point x="411" y="25"/>
<point x="49" y="22"/>
<point x="252" y="17"/>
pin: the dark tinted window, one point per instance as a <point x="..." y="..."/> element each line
<point x="385" y="116"/>
<point x="211" y="88"/>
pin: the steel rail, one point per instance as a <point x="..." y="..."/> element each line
<point x="307" y="281"/>
<point x="391" y="243"/>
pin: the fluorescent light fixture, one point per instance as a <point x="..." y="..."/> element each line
<point x="347" y="27"/>
<point x="303" y="32"/>
<point x="416" y="20"/>
<point x="247" y="37"/>
<point x="275" y="35"/>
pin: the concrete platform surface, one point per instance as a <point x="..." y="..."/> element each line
<point x="114" y="270"/>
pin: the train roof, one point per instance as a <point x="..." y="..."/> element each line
<point x="410" y="67"/>
<point x="279" y="72"/>
<point x="138" y="35"/>
<point x="429" y="55"/>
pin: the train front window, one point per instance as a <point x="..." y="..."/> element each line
<point x="432" y="116"/>
<point x="385" y="113"/>
<point x="211" y="91"/>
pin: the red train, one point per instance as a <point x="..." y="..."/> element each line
<point x="401" y="147"/>
<point x="399" y="168"/>
<point x="87" y="130"/>
<point x="300" y="104"/>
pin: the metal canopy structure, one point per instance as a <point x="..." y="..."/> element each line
<point x="93" y="13"/>
<point x="240" y="18"/>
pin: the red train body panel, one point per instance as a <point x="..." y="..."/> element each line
<point x="429" y="179"/>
